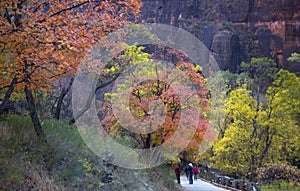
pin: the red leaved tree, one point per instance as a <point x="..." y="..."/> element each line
<point x="156" y="107"/>
<point x="42" y="41"/>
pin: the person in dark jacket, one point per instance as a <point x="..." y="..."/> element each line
<point x="191" y="172"/>
<point x="186" y="170"/>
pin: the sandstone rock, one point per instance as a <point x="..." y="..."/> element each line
<point x="225" y="48"/>
<point x="274" y="24"/>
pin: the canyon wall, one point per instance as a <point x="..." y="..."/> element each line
<point x="235" y="30"/>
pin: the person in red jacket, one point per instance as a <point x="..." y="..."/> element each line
<point x="177" y="170"/>
<point x="196" y="172"/>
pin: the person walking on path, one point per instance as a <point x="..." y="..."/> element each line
<point x="190" y="169"/>
<point x="186" y="170"/>
<point x="196" y="172"/>
<point x="177" y="170"/>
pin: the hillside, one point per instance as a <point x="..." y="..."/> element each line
<point x="65" y="162"/>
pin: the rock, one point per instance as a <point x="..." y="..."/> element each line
<point x="225" y="48"/>
<point x="275" y="24"/>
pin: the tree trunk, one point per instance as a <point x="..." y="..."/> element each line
<point x="33" y="114"/>
<point x="8" y="94"/>
<point x="83" y="110"/>
<point x="63" y="94"/>
<point x="267" y="145"/>
<point x="90" y="99"/>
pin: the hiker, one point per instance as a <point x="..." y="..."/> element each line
<point x="190" y="169"/>
<point x="177" y="170"/>
<point x="186" y="170"/>
<point x="196" y="172"/>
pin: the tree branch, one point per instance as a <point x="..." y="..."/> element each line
<point x="69" y="8"/>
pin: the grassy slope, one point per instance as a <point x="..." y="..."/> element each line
<point x="64" y="162"/>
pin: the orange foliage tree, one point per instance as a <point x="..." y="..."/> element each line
<point x="166" y="114"/>
<point x="43" y="41"/>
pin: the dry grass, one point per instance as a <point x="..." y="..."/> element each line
<point x="39" y="179"/>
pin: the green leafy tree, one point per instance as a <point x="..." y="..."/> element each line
<point x="220" y="85"/>
<point x="259" y="133"/>
<point x="295" y="57"/>
<point x="262" y="72"/>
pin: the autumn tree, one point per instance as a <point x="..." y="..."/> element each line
<point x="259" y="132"/>
<point x="42" y="41"/>
<point x="155" y="109"/>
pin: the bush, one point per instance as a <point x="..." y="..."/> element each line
<point x="279" y="172"/>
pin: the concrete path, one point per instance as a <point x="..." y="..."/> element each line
<point x="199" y="185"/>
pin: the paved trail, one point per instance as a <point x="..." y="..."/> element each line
<point x="199" y="185"/>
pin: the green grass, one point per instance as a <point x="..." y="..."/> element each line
<point x="25" y="162"/>
<point x="64" y="162"/>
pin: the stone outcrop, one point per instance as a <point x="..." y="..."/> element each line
<point x="225" y="48"/>
<point x="235" y="30"/>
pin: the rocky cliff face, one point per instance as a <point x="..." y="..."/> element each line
<point x="235" y="30"/>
